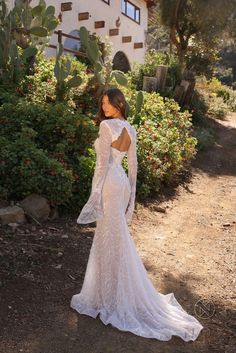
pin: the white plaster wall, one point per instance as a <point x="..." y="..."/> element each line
<point x="100" y="11"/>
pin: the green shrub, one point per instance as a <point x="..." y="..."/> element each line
<point x="219" y="99"/>
<point x="205" y="136"/>
<point x="41" y="87"/>
<point x="8" y="94"/>
<point x="165" y="144"/>
<point x="26" y="169"/>
<point x="217" y="107"/>
<point x="47" y="147"/>
<point x="154" y="58"/>
<point x="224" y="92"/>
<point x="224" y="74"/>
<point x="198" y="108"/>
<point x="42" y="146"/>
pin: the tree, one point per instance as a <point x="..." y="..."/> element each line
<point x="195" y="23"/>
<point x="158" y="35"/>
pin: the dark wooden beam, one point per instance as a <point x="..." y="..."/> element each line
<point x="66" y="6"/>
<point x="138" y="45"/>
<point x="126" y="39"/>
<point x="99" y="24"/>
<point x="83" y="16"/>
<point x="114" y="32"/>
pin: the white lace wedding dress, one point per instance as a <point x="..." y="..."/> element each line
<point x="116" y="284"/>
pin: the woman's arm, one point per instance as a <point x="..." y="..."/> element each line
<point x="104" y="146"/>
<point x="132" y="175"/>
<point x="93" y="209"/>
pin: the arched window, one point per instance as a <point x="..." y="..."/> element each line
<point x="121" y="62"/>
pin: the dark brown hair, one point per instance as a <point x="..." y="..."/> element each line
<point x="116" y="99"/>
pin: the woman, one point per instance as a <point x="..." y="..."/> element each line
<point x="116" y="284"/>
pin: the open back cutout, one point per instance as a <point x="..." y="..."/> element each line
<point x="123" y="142"/>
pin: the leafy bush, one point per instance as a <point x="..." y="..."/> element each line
<point x="42" y="85"/>
<point x="26" y="169"/>
<point x="217" y="107"/>
<point x="222" y="91"/>
<point x="47" y="146"/>
<point x="221" y="98"/>
<point x="211" y="98"/>
<point x="224" y="74"/>
<point x="42" y="146"/>
<point x="154" y="58"/>
<point x="218" y="99"/>
<point x="198" y="108"/>
<point x="201" y="59"/>
<point x="205" y="136"/>
<point x="165" y="144"/>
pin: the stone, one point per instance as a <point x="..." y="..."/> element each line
<point x="36" y="206"/>
<point x="54" y="213"/>
<point x="226" y="225"/>
<point x="159" y="209"/>
<point x="13" y="226"/>
<point x="161" y="73"/>
<point x="149" y="84"/>
<point x="13" y="214"/>
<point x="179" y="93"/>
<point x="3" y="204"/>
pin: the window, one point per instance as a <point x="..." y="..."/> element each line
<point x="130" y="10"/>
<point x="106" y="1"/>
<point x="73" y="43"/>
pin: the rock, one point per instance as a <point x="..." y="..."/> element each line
<point x="54" y="213"/>
<point x="36" y="206"/>
<point x="13" y="226"/>
<point x="58" y="267"/>
<point x="226" y="225"/>
<point x="3" y="204"/>
<point x="159" y="209"/>
<point x="13" y="214"/>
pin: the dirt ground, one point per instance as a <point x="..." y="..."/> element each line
<point x="189" y="250"/>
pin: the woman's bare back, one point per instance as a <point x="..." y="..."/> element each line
<point x="123" y="142"/>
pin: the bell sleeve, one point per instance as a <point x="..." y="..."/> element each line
<point x="132" y="175"/>
<point x="93" y="209"/>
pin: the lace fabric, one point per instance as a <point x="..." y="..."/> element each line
<point x="116" y="284"/>
<point x="109" y="131"/>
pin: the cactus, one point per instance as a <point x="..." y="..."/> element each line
<point x="103" y="73"/>
<point x="138" y="107"/>
<point x="37" y="23"/>
<point x="139" y="102"/>
<point x="25" y="27"/>
<point x="119" y="76"/>
<point x="62" y="70"/>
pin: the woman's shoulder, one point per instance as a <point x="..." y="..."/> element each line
<point x="104" y="123"/>
<point x="132" y="128"/>
<point x="117" y="124"/>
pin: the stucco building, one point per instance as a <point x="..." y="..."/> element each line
<point x="120" y="22"/>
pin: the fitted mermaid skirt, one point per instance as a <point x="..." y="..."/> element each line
<point x="116" y="285"/>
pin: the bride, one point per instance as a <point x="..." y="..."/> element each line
<point x="116" y="285"/>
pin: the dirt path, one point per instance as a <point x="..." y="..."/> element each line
<point x="188" y="250"/>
